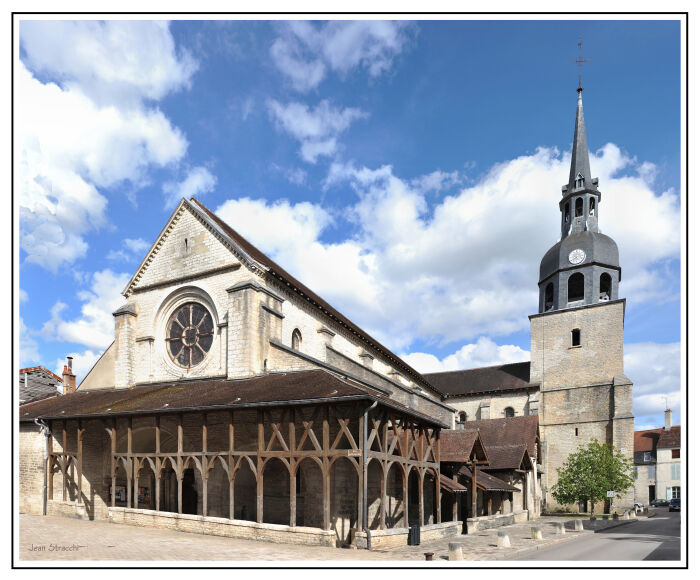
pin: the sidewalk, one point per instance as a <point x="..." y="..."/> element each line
<point x="60" y="538"/>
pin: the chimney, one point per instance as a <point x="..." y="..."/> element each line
<point x="68" y="377"/>
<point x="667" y="419"/>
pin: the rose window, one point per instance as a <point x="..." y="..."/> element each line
<point x="190" y="334"/>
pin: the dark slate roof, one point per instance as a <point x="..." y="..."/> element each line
<point x="40" y="383"/>
<point x="481" y="380"/>
<point x="302" y="387"/>
<point x="286" y="278"/>
<point x="670" y="438"/>
<point x="485" y="481"/>
<point x="511" y="431"/>
<point x="456" y="445"/>
<point x="598" y="247"/>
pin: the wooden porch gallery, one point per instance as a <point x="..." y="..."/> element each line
<point x="342" y="466"/>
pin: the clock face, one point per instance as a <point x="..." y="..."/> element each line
<point x="577" y="256"/>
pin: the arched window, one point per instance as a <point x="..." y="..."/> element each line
<point x="591" y="207"/>
<point x="575" y="287"/>
<point x="579" y="207"/>
<point x="579" y="181"/>
<point x="296" y="339"/>
<point x="605" y="286"/>
<point x="509" y="411"/>
<point x="462" y="417"/>
<point x="548" y="297"/>
<point x="190" y="333"/>
<point x="567" y="213"/>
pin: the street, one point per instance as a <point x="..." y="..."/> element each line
<point x="655" y="538"/>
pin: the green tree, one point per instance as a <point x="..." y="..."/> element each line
<point x="590" y="472"/>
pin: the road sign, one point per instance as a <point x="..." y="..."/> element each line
<point x="611" y="494"/>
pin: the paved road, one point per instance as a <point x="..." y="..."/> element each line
<point x="655" y="538"/>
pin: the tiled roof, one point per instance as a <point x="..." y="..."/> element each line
<point x="670" y="438"/>
<point x="285" y="277"/>
<point x="302" y="387"/>
<point x="485" y="481"/>
<point x="507" y="432"/>
<point x="646" y="440"/>
<point x="37" y="383"/>
<point x="481" y="380"/>
<point x="508" y="457"/>
<point x="452" y="485"/>
<point x="456" y="445"/>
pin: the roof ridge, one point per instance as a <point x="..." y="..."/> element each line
<point x="477" y="368"/>
<point x="29" y="369"/>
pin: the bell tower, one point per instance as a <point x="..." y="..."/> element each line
<point x="577" y="334"/>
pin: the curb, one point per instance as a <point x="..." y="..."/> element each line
<point x="528" y="549"/>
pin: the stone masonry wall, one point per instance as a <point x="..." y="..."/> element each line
<point x="32" y="447"/>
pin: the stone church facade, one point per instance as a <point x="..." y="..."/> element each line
<point x="236" y="401"/>
<point x="574" y="381"/>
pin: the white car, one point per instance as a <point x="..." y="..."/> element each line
<point x="639" y="504"/>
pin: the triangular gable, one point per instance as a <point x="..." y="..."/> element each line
<point x="177" y="253"/>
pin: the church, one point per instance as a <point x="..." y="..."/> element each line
<point x="236" y="401"/>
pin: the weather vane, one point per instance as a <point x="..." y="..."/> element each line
<point x="580" y="61"/>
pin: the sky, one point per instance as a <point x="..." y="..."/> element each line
<point x="407" y="171"/>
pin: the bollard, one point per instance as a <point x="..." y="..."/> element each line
<point x="455" y="551"/>
<point x="535" y="533"/>
<point x="578" y="525"/>
<point x="559" y="528"/>
<point x="428" y="556"/>
<point x="626" y="516"/>
<point x="503" y="540"/>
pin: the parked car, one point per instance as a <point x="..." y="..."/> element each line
<point x="659" y="502"/>
<point x="674" y="505"/>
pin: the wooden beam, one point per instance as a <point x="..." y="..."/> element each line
<point x="259" y="466"/>
<point x="474" y="497"/>
<point x="421" y="515"/>
<point x="438" y="499"/>
<point x="130" y="463"/>
<point x="65" y="458"/>
<point x="180" y="471"/>
<point x="113" y="438"/>
<point x="230" y="465"/>
<point x="293" y="466"/>
<point x="205" y="466"/>
<point x="326" y="470"/>
<point x="50" y="462"/>
<point x="158" y="463"/>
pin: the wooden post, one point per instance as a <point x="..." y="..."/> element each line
<point x="65" y="462"/>
<point x="113" y="437"/>
<point x="293" y="465"/>
<point x="489" y="509"/>
<point x="421" y="515"/>
<point x="230" y="465"/>
<point x="362" y="475"/>
<point x="438" y="498"/>
<point x="159" y="469"/>
<point x="80" y="460"/>
<point x="406" y="475"/>
<point x="326" y="470"/>
<point x="259" y="465"/>
<point x="50" y="460"/>
<point x="382" y="499"/>
<point x="137" y="471"/>
<point x="205" y="465"/>
<point x="474" y="500"/>
<point x="130" y="461"/>
<point x="180" y="475"/>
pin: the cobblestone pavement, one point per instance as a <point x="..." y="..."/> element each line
<point x="100" y="540"/>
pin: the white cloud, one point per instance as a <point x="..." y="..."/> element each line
<point x="78" y="139"/>
<point x="485" y="352"/>
<point x="132" y="249"/>
<point x="82" y="363"/>
<point x="28" y="346"/>
<point x="655" y="371"/>
<point x="23" y="296"/>
<point x="109" y="60"/>
<point x="436" y="181"/>
<point x="94" y="327"/>
<point x="468" y="266"/>
<point x="316" y="129"/>
<point x="304" y="51"/>
<point x="199" y="180"/>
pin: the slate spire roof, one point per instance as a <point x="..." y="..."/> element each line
<point x="579" y="154"/>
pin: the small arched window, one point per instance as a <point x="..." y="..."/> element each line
<point x="462" y="417"/>
<point x="509" y="411"/>
<point x="579" y="207"/>
<point x="567" y="213"/>
<point x="576" y="284"/>
<point x="548" y="297"/>
<point x="296" y="339"/>
<point x="591" y="207"/>
<point x="579" y="181"/>
<point x="605" y="286"/>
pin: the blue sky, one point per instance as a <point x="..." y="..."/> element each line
<point x="409" y="172"/>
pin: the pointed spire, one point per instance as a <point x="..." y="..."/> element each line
<point x="579" y="155"/>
